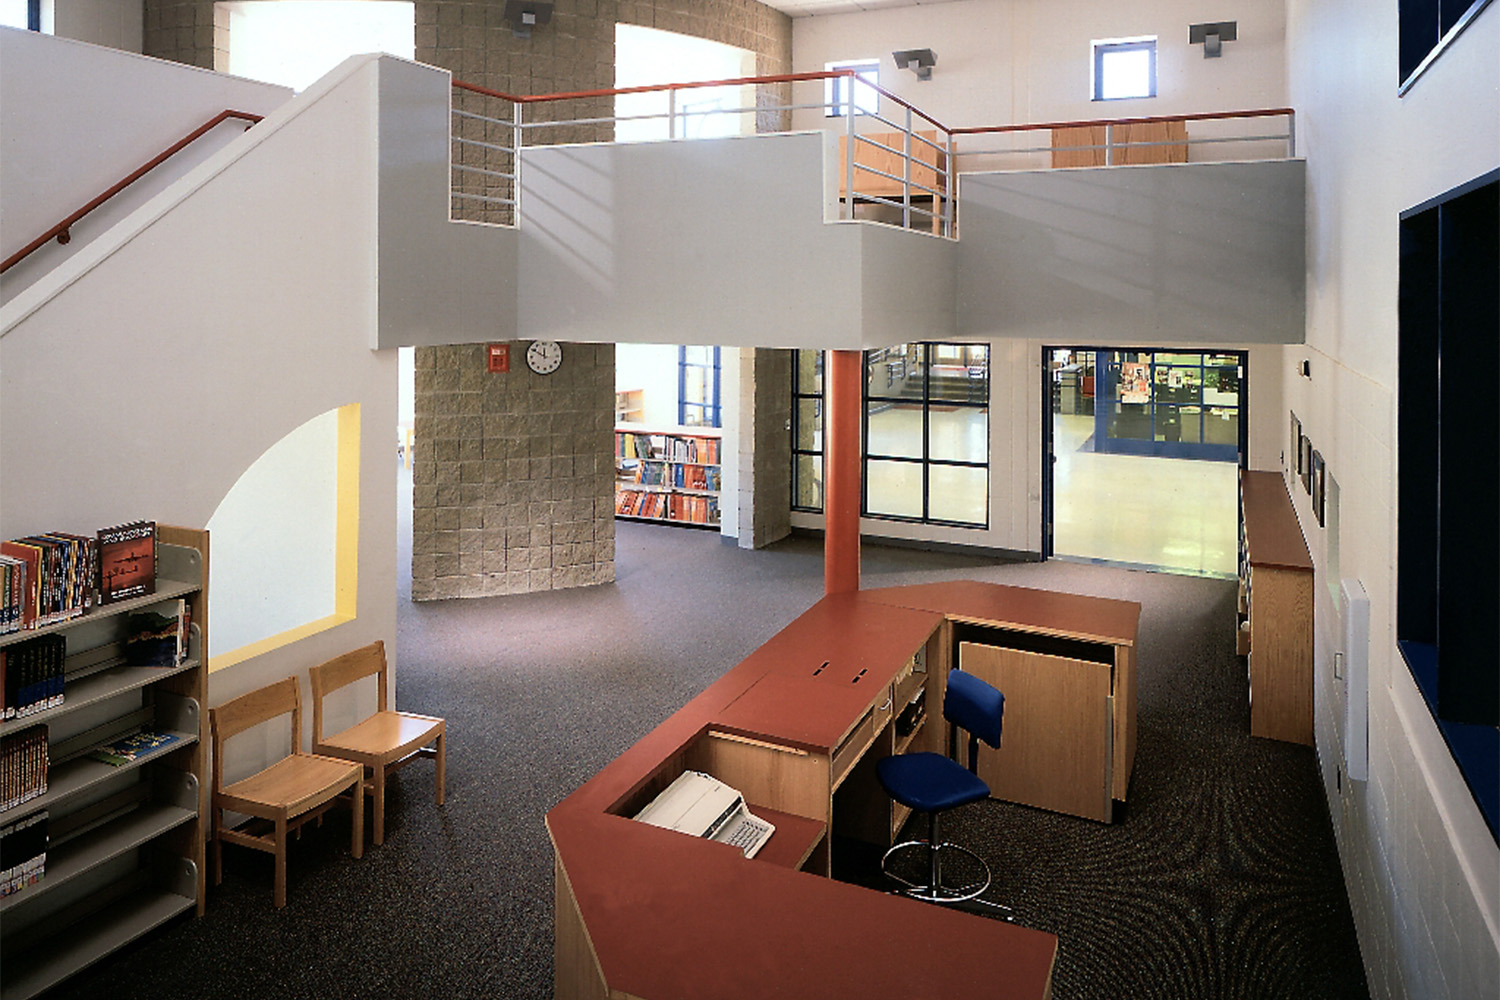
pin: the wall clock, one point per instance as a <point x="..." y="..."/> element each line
<point x="544" y="356"/>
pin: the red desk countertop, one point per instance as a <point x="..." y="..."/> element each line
<point x="674" y="917"/>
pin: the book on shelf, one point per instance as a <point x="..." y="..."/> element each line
<point x="127" y="561"/>
<point x="32" y="675"/>
<point x="23" y="766"/>
<point x="49" y="578"/>
<point x="155" y="639"/>
<point x="23" y="852"/>
<point x="131" y="748"/>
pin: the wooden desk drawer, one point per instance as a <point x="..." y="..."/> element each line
<point x="860" y="738"/>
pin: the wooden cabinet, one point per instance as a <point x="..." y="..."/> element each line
<point x="126" y="843"/>
<point x="1276" y="587"/>
<point x="672" y="474"/>
<point x="1115" y="145"/>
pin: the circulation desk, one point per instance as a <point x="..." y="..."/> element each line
<point x="643" y="912"/>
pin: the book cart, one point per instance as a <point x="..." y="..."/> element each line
<point x="671" y="475"/>
<point x="125" y="850"/>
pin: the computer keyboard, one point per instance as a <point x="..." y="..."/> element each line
<point x="747" y="833"/>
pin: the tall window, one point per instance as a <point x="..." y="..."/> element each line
<point x="926" y="433"/>
<point x="836" y="91"/>
<point x="1124" y="68"/>
<point x="927" y="440"/>
<point x="1448" y="473"/>
<point x="698" y="386"/>
<point x="807" y="431"/>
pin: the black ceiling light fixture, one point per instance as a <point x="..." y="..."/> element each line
<point x="919" y="61"/>
<point x="524" y="15"/>
<point x="1212" y="35"/>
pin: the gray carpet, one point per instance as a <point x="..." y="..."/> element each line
<point x="1221" y="880"/>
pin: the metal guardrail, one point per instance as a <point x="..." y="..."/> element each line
<point x="903" y="167"/>
<point x="917" y="166"/>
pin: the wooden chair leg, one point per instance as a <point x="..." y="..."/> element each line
<point x="377" y="785"/>
<point x="279" y="894"/>
<point x="357" y="846"/>
<point x="442" y="769"/>
<point x="218" y="845"/>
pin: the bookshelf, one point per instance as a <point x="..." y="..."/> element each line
<point x="671" y="475"/>
<point x="125" y="850"/>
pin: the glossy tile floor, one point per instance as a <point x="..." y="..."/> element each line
<point x="1164" y="513"/>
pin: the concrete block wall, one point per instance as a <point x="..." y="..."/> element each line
<point x="194" y="32"/>
<point x="765" y="446"/>
<point x="513" y="486"/>
<point x="574" y="52"/>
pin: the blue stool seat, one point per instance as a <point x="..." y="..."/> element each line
<point x="934" y="783"/>
<point x="929" y="782"/>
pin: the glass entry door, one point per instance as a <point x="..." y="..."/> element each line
<point x="1143" y="450"/>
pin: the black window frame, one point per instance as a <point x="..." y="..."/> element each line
<point x="1103" y="48"/>
<point x="926" y="460"/>
<point x="1427" y="28"/>
<point x="800" y="394"/>
<point x="1448" y="474"/>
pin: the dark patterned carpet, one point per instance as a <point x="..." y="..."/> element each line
<point x="1221" y="881"/>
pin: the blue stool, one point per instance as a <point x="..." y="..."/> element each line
<point x="933" y="784"/>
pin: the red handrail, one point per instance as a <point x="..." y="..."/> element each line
<point x="61" y="233"/>
<point x="1206" y="116"/>
<point x="735" y="82"/>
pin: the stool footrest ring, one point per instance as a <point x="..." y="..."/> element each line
<point x="938" y="893"/>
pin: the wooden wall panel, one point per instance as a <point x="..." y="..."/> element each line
<point x="1087" y="135"/>
<point x="1057" y="746"/>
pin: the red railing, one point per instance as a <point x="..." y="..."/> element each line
<point x="931" y="166"/>
<point x="1205" y="117"/>
<point x="62" y="231"/>
<point x="1110" y="146"/>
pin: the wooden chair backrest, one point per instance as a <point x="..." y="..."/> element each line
<point x="344" y="670"/>
<point x="251" y="709"/>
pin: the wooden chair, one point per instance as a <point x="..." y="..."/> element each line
<point x="295" y="789"/>
<point x="384" y="742"/>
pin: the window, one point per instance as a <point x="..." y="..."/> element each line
<point x="926" y="441"/>
<point x="698" y="386"/>
<point x="836" y="91"/>
<point x="807" y="431"/>
<point x="1427" y="27"/>
<point x="1124" y="68"/>
<point x="1448" y="472"/>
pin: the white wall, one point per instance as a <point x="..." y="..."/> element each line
<point x="621" y="242"/>
<point x="1203" y="252"/>
<point x="222" y="315"/>
<point x="1003" y="62"/>
<point x="253" y="596"/>
<point x="1423" y="870"/>
<point x="123" y="109"/>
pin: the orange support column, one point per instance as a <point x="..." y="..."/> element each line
<point x="841" y="470"/>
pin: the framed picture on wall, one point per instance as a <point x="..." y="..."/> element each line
<point x="1294" y="450"/>
<point x="1319" y="493"/>
<point x="1304" y="463"/>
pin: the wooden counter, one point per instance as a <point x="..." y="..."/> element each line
<point x="1276" y="576"/>
<point x="654" y="914"/>
<point x="1067" y="666"/>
